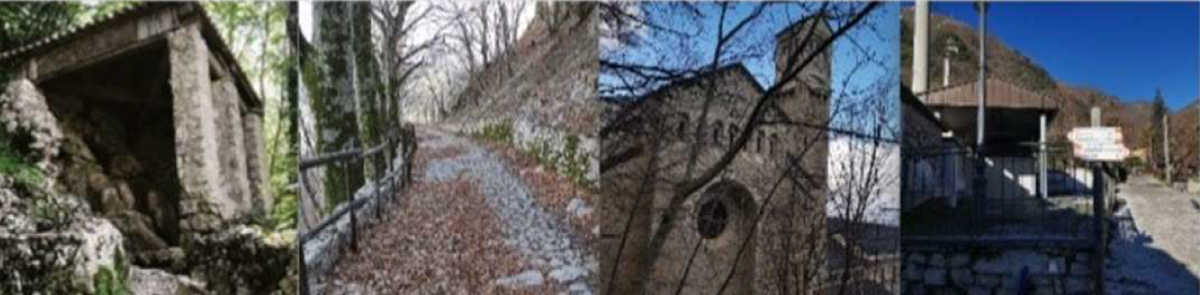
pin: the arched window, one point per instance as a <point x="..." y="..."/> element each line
<point x="712" y="218"/>
<point x="716" y="133"/>
<point x="724" y="207"/>
<point x="773" y="143"/>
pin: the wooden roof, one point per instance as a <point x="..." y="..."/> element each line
<point x="1000" y="94"/>
<point x="137" y="10"/>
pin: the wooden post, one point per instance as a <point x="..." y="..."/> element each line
<point x="350" y="195"/>
<point x="300" y="229"/>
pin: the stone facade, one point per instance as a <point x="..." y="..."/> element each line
<point x="658" y="135"/>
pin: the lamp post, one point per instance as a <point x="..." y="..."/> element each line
<point x="980" y="179"/>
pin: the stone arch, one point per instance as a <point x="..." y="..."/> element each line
<point x="724" y="216"/>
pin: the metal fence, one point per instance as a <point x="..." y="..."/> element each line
<point x="1034" y="193"/>
<point x="388" y="181"/>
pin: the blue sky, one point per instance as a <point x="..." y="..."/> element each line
<point x="880" y="41"/>
<point x="1125" y="49"/>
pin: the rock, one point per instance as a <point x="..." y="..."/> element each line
<point x="108" y="136"/>
<point x="75" y="178"/>
<point x="172" y="259"/>
<point x="136" y="228"/>
<point x="578" y="208"/>
<point x="13" y="219"/>
<point x="81" y="252"/>
<point x="24" y="112"/>
<point x="74" y="145"/>
<point x="935" y="276"/>
<point x="97" y="183"/>
<point x="100" y="245"/>
<point x="126" y="193"/>
<point x="164" y="214"/>
<point x="113" y="200"/>
<point x="240" y="260"/>
<point x="524" y="279"/>
<point x="155" y="281"/>
<point x="579" y="287"/>
<point x="567" y="273"/>
<point x="124" y="166"/>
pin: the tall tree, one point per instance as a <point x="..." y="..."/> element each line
<point x="1159" y="110"/>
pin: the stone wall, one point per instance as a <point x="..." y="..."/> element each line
<point x="991" y="269"/>
<point x="574" y="155"/>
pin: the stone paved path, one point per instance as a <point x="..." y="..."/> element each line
<point x="1163" y="255"/>
<point x="472" y="226"/>
<point x="540" y="237"/>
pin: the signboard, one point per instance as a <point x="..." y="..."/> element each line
<point x="1098" y="144"/>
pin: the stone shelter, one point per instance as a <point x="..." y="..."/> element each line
<point x="156" y="126"/>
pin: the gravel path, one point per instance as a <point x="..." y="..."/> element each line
<point x="540" y="237"/>
<point x="1157" y="250"/>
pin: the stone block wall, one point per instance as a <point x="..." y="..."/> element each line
<point x="983" y="269"/>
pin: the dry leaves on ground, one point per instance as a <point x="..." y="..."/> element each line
<point x="442" y="238"/>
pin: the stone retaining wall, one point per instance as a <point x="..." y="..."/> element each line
<point x="988" y="269"/>
<point x="574" y="155"/>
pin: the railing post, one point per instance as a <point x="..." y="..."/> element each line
<point x="350" y="192"/>
<point x="378" y="182"/>
<point x="299" y="241"/>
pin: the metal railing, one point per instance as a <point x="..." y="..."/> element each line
<point x="385" y="174"/>
<point x="1031" y="193"/>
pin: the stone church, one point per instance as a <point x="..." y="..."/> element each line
<point x="714" y="231"/>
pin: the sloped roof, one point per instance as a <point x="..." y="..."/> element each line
<point x="139" y="9"/>
<point x="1000" y="94"/>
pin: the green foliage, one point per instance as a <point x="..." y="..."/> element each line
<point x="101" y="9"/>
<point x="112" y="280"/>
<point x="569" y="162"/>
<point x="283" y="216"/>
<point x="22" y="22"/>
<point x="574" y="163"/>
<point x="49" y="213"/>
<point x="15" y="165"/>
<point x="501" y="133"/>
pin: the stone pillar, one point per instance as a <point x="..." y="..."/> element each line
<point x="196" y="149"/>
<point x="256" y="167"/>
<point x="233" y="148"/>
